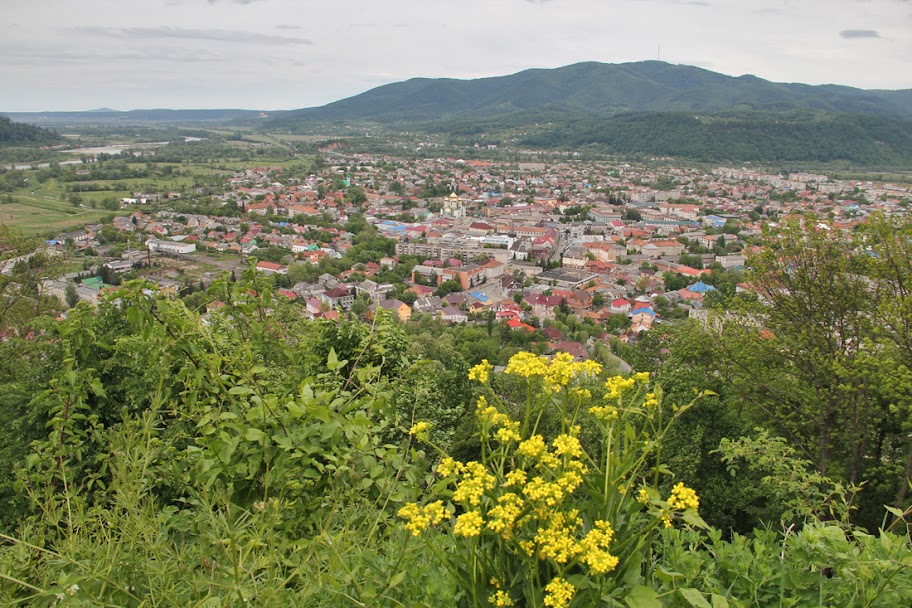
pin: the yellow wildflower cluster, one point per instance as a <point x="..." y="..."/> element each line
<point x="516" y="477"/>
<point x="651" y="400"/>
<point x="508" y="433"/>
<point x="526" y="365"/>
<point x="448" y="466"/>
<point x="683" y="498"/>
<point x="481" y="372"/>
<point x="502" y="518"/>
<point x="420" y="430"/>
<point x="421" y="518"/>
<point x="557" y="541"/>
<point x="643" y="496"/>
<point x="594" y="548"/>
<point x="539" y="490"/>
<point x="558" y="593"/>
<point x="532" y="447"/>
<point x="560" y="372"/>
<point x="606" y="413"/>
<point x="468" y="524"/>
<point x="475" y="480"/>
<point x="568" y="445"/>
<point x="616" y="386"/>
<point x="500" y="598"/>
<point x="488" y="415"/>
<point x="583" y="394"/>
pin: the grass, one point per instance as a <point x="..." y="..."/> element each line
<point x="36" y="216"/>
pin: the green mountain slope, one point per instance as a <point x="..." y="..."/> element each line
<point x="760" y="136"/>
<point x="18" y="134"/>
<point x="597" y="89"/>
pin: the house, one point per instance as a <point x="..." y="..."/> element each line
<point x="271" y="268"/>
<point x="429" y="304"/>
<point x="338" y="297"/>
<point x="372" y="290"/>
<point x="170" y="247"/>
<point x="451" y="314"/>
<point x="516" y="324"/>
<point x="543" y="306"/>
<point x="580" y="301"/>
<point x="467" y="277"/>
<point x="620" y="305"/>
<point x="577" y="350"/>
<point x="402" y="310"/>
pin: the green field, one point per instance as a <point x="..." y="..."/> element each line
<point x="35" y="214"/>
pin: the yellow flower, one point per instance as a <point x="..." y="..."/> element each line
<point x="508" y="433"/>
<point x="538" y="489"/>
<point x="617" y="385"/>
<point x="641" y="377"/>
<point x="581" y="393"/>
<point x="643" y="496"/>
<point x="567" y="445"/>
<point x="468" y="524"/>
<point x="526" y="365"/>
<point x="595" y="546"/>
<point x="606" y="413"/>
<point x="488" y="414"/>
<point x="651" y="400"/>
<point x="516" y="477"/>
<point x="448" y="467"/>
<point x="557" y="541"/>
<point x="532" y="447"/>
<point x="419" y="519"/>
<point x="502" y="517"/>
<point x="666" y="519"/>
<point x="560" y="372"/>
<point x="500" y="598"/>
<point x="475" y="480"/>
<point x="559" y="593"/>
<point x="420" y="430"/>
<point x="683" y="498"/>
<point x="481" y="371"/>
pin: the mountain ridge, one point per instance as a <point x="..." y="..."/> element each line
<point x="593" y="88"/>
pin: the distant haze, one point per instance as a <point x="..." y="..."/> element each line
<point x="286" y="54"/>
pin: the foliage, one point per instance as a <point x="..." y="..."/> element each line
<point x="544" y="526"/>
<point x="20" y="134"/>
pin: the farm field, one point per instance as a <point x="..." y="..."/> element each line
<point x="37" y="215"/>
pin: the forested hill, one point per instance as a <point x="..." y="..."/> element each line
<point x="757" y="136"/>
<point x="598" y="89"/>
<point x="18" y="134"/>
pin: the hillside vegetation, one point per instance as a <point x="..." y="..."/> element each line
<point x="18" y="134"/>
<point x="163" y="455"/>
<point x="644" y="108"/>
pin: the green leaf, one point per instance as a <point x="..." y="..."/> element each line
<point x="694" y="598"/>
<point x="893" y="510"/>
<point x="642" y="597"/>
<point x="240" y="390"/>
<point x="254" y="434"/>
<point x="691" y="517"/>
<point x="332" y="361"/>
<point x="398" y="578"/>
<point x="719" y="601"/>
<point x="666" y="576"/>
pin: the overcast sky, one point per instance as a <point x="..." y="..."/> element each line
<point x="284" y="54"/>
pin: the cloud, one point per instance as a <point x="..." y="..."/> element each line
<point x="171" y="33"/>
<point x="859" y="34"/>
<point x="234" y="1"/>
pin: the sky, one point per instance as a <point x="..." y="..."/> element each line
<point x="66" y="55"/>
